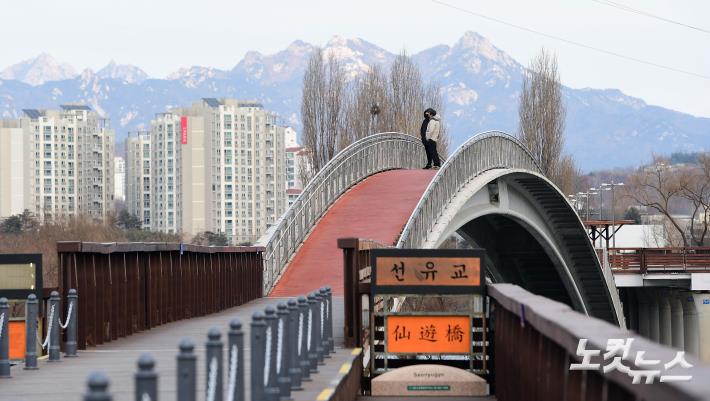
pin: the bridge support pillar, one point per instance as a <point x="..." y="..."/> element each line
<point x="664" y="317"/>
<point x="702" y="305"/>
<point x="677" y="323"/>
<point x="654" y="316"/>
<point x="690" y="323"/>
<point x="644" y="312"/>
<point x="631" y="309"/>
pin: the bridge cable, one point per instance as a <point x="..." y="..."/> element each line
<point x="636" y="11"/>
<point x="571" y="42"/>
<point x="49" y="327"/>
<point x="66" y="323"/>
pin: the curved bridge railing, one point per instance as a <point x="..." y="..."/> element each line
<point x="483" y="152"/>
<point x="368" y="156"/>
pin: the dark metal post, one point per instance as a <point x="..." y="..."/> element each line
<point x="282" y="352"/>
<point x="304" y="329"/>
<point x="146" y="379"/>
<point x="71" y="346"/>
<point x="331" y="340"/>
<point x="4" y="339"/>
<point x="236" y="361"/>
<point x="271" y="390"/>
<point x="31" y="312"/>
<point x="98" y="388"/>
<point x="319" y="316"/>
<point x="186" y="372"/>
<point x="295" y="333"/>
<point x="53" y="349"/>
<point x="258" y="345"/>
<point x="312" y="334"/>
<point x="213" y="365"/>
<point x="327" y="327"/>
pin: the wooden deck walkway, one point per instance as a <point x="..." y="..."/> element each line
<point x="66" y="380"/>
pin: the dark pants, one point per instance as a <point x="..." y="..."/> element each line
<point x="431" y="153"/>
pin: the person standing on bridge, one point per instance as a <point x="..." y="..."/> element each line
<point x="430" y="134"/>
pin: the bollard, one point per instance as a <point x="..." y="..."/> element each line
<point x="271" y="386"/>
<point x="257" y="345"/>
<point x="98" y="388"/>
<point x="71" y="324"/>
<point x="31" y="312"/>
<point x="303" y="362"/>
<point x="213" y="365"/>
<point x="319" y="316"/>
<point x="186" y="372"/>
<point x="4" y="339"/>
<point x="282" y="352"/>
<point x="325" y="317"/>
<point x="235" y="390"/>
<point x="329" y="327"/>
<point x="53" y="334"/>
<point x="146" y="379"/>
<point x="294" y="369"/>
<point x="312" y="333"/>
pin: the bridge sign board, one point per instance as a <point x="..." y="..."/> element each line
<point x="430" y="334"/>
<point x="427" y="271"/>
<point x="404" y="332"/>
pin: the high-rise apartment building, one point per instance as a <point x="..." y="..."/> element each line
<point x="138" y="156"/>
<point x="69" y="160"/>
<point x="13" y="168"/>
<point x="119" y="178"/>
<point x="218" y="165"/>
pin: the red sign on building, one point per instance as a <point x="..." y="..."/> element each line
<point x="183" y="130"/>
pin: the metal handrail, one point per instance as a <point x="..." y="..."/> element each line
<point x="483" y="152"/>
<point x="363" y="158"/>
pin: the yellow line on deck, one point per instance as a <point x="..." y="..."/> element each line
<point x="325" y="394"/>
<point x="345" y="368"/>
<point x="356" y="351"/>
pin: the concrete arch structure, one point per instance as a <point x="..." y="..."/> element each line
<point x="532" y="236"/>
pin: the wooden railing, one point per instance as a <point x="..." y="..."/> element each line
<point x="659" y="260"/>
<point x="536" y="339"/>
<point x="125" y="288"/>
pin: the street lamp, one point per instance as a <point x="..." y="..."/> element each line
<point x="607" y="187"/>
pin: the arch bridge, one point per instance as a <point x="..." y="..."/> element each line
<point x="490" y="191"/>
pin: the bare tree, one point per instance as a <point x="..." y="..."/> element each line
<point x="658" y="187"/>
<point x="323" y="108"/>
<point x="542" y="114"/>
<point x="695" y="186"/>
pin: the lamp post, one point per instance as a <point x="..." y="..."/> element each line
<point x="374" y="111"/>
<point x="589" y="192"/>
<point x="607" y="187"/>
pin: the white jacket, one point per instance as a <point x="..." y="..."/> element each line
<point x="433" y="128"/>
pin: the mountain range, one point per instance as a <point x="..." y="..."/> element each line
<point x="480" y="85"/>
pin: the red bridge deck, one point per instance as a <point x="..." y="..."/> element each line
<point x="377" y="209"/>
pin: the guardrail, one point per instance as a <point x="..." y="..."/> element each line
<point x="370" y="155"/>
<point x="278" y="362"/>
<point x="660" y="260"/>
<point x="131" y="287"/>
<point x="536" y="339"/>
<point x="481" y="153"/>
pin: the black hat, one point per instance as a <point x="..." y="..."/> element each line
<point x="430" y="111"/>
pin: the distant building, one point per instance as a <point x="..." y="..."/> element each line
<point x="68" y="161"/>
<point x="119" y="178"/>
<point x="138" y="175"/>
<point x="290" y="138"/>
<point x="218" y="165"/>
<point x="14" y="159"/>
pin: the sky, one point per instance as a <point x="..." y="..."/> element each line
<point x="161" y="36"/>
